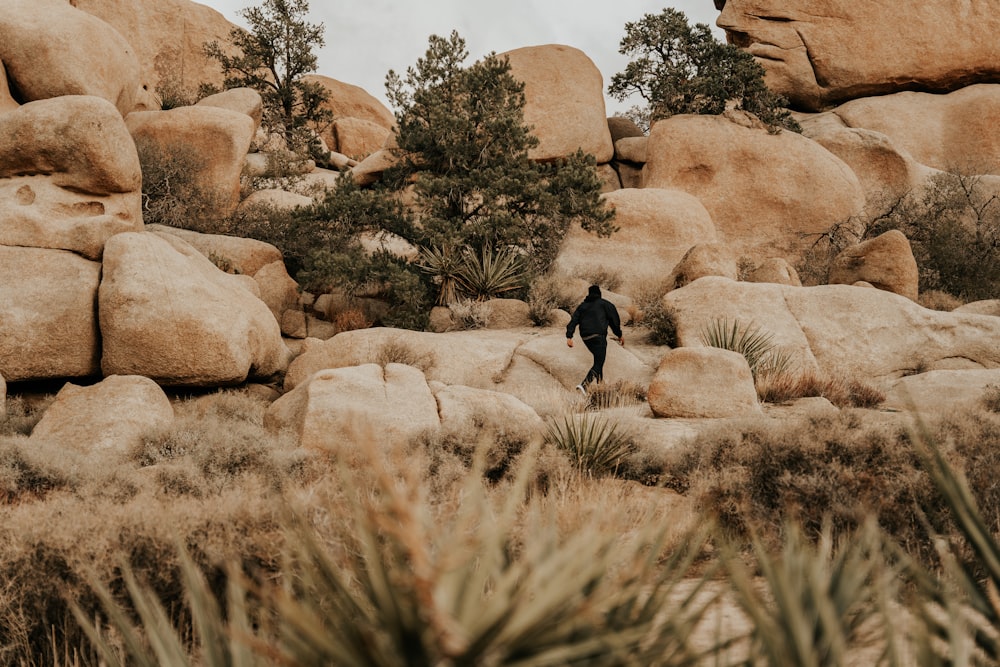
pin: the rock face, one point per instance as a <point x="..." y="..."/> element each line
<point x="169" y="314"/>
<point x="242" y="100"/>
<point x="703" y="382"/>
<point x="885" y="262"/>
<point x="112" y="414"/>
<point x="939" y="392"/>
<point x="357" y="138"/>
<point x="565" y="101"/>
<point x="842" y="331"/>
<point x="168" y="37"/>
<point x="703" y="259"/>
<point x="358" y="114"/>
<point x="245" y="256"/>
<point x="346" y="406"/>
<point x="656" y="228"/>
<point x="69" y="175"/>
<point x="820" y="52"/>
<point x="723" y="163"/>
<point x="947" y="132"/>
<point x="775" y="270"/>
<point x="213" y="139"/>
<point x="50" y="49"/>
<point x="48" y="320"/>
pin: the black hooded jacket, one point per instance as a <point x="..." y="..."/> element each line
<point x="594" y="316"/>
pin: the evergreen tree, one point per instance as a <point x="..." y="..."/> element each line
<point x="680" y="69"/>
<point x="273" y="56"/>
<point x="466" y="147"/>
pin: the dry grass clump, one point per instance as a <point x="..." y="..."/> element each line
<point x="22" y="414"/>
<point x="838" y="468"/>
<point x="844" y="393"/>
<point x="991" y="398"/>
<point x="397" y="351"/>
<point x="468" y="314"/>
<point x="938" y="300"/>
<point x="611" y="395"/>
<point x="351" y="319"/>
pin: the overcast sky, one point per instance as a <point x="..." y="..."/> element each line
<point x="364" y="40"/>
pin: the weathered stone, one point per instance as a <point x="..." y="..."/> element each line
<point x="508" y="314"/>
<point x="703" y="259"/>
<point x="886" y="262"/>
<point x="358" y="138"/>
<point x="245" y="256"/>
<point x="7" y="101"/>
<point x="168" y="37"/>
<point x="723" y="163"/>
<point x="350" y="101"/>
<point x="114" y="414"/>
<point x="548" y="352"/>
<point x="441" y="320"/>
<point x="703" y="382"/>
<point x="48" y="321"/>
<point x="986" y="307"/>
<point x="471" y="416"/>
<point x="775" y="270"/>
<point x="948" y="132"/>
<point x="841" y="331"/>
<point x="369" y="170"/>
<point x="941" y="392"/>
<point x="281" y="294"/>
<point x="241" y="100"/>
<point x="610" y="181"/>
<point x="819" y="52"/>
<point x="51" y="49"/>
<point x="565" y="101"/>
<point x="168" y="313"/>
<point x="343" y="407"/>
<point x="623" y="127"/>
<point x="215" y="139"/>
<point x="656" y="228"/>
<point x="632" y="149"/>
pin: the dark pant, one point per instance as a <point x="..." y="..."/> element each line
<point x="598" y="346"/>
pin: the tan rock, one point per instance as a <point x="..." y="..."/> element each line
<point x="703" y="382"/>
<point x="610" y="181"/>
<point x="565" y="101"/>
<point x="186" y="323"/>
<point x="281" y="294"/>
<point x="441" y="320"/>
<point x="369" y="170"/>
<point x="632" y="149"/>
<point x="168" y="37"/>
<point x="724" y="164"/>
<point x="775" y="270"/>
<point x="986" y="307"/>
<point x="245" y="256"/>
<point x="630" y="175"/>
<point x="350" y="101"/>
<point x="241" y="100"/>
<point x="886" y="262"/>
<point x="839" y="330"/>
<point x="703" y="259"/>
<point x="941" y="392"/>
<point x="358" y="138"/>
<point x="50" y="49"/>
<point x="322" y="180"/>
<point x="547" y="351"/>
<point x="7" y="101"/>
<point x="948" y="132"/>
<point x="470" y="417"/>
<point x="219" y="139"/>
<point x="114" y="414"/>
<point x="819" y="52"/>
<point x="508" y="314"/>
<point x="344" y="407"/>
<point x="656" y="228"/>
<point x="48" y="321"/>
<point x="623" y="127"/>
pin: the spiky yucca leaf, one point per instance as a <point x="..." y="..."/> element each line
<point x="443" y="265"/>
<point x="817" y="602"/>
<point x="593" y="443"/>
<point x="490" y="273"/>
<point x="756" y="345"/>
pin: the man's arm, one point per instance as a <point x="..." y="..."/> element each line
<point x="614" y="320"/>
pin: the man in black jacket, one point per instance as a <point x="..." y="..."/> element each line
<point x="594" y="316"/>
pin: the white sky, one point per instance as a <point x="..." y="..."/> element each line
<point x="364" y="40"/>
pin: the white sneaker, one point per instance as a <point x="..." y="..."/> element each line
<point x="580" y="389"/>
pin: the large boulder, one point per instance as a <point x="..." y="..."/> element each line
<point x="345" y="407"/>
<point x="723" y="163"/>
<point x="885" y="262"/>
<point x="775" y="270"/>
<point x="115" y="414"/>
<point x="839" y="330"/>
<point x="168" y="313"/>
<point x="281" y="294"/>
<point x="703" y="382"/>
<point x="948" y="132"/>
<point x="938" y="393"/>
<point x="50" y="49"/>
<point x="168" y="37"/>
<point x="350" y="103"/>
<point x="703" y="259"/>
<point x="245" y="256"/>
<point x="48" y="317"/>
<point x="470" y="416"/>
<point x="7" y="101"/>
<point x="656" y="228"/>
<point x="241" y="100"/>
<point x="357" y="138"/>
<point x="565" y="101"/>
<point x="69" y="175"/>
<point x="213" y="140"/>
<point x="820" y="52"/>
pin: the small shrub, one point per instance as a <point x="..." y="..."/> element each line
<point x="620" y="394"/>
<point x="543" y="297"/>
<point x="991" y="398"/>
<point x="938" y="300"/>
<point x="661" y="321"/>
<point x="789" y="386"/>
<point x="594" y="444"/>
<point x="22" y="415"/>
<point x="608" y="279"/>
<point x="171" y="193"/>
<point x="399" y="352"/>
<point x="351" y="319"/>
<point x="470" y="314"/>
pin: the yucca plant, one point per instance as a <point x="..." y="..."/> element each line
<point x="756" y="345"/>
<point x="594" y="443"/>
<point x="817" y="603"/>
<point x="443" y="265"/>
<point x="490" y="273"/>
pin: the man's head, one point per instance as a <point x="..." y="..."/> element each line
<point x="822" y="52"/>
<point x="594" y="292"/>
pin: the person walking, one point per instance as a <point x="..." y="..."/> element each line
<point x="594" y="316"/>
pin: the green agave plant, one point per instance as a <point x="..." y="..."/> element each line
<point x="755" y="344"/>
<point x="593" y="443"/>
<point x="490" y="273"/>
